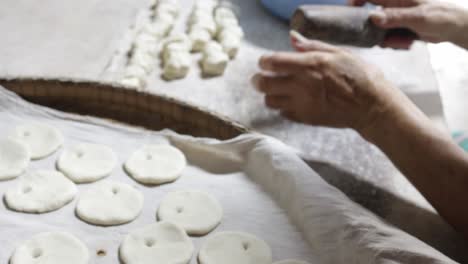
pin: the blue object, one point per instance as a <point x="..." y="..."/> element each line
<point x="285" y="8"/>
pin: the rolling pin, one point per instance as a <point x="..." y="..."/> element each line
<point x="344" y="25"/>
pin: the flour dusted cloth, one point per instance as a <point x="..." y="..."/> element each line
<point x="264" y="188"/>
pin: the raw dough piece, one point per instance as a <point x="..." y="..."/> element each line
<point x="214" y="59"/>
<point x="231" y="44"/>
<point x="146" y="43"/>
<point x="86" y="162"/>
<point x="51" y="248"/>
<point x="181" y="39"/>
<point x="109" y="203"/>
<point x="161" y="242"/>
<point x="143" y="59"/>
<point x="224" y="13"/>
<point x="156" y="164"/>
<point x="132" y="82"/>
<point x="199" y="38"/>
<point x="14" y="158"/>
<point x="41" y="191"/>
<point x="135" y="71"/>
<point x="42" y="140"/>
<point x="198" y="213"/>
<point x="168" y="8"/>
<point x="158" y="29"/>
<point x="234" y="248"/>
<point x="291" y="261"/>
<point x="177" y="65"/>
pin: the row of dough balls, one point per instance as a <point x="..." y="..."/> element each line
<point x="207" y="22"/>
<point x="162" y="242"/>
<point x="145" y="47"/>
<point x="86" y="162"/>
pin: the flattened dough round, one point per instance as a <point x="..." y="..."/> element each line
<point x="87" y="162"/>
<point x="234" y="248"/>
<point x="40" y="191"/>
<point x="14" y="159"/>
<point x="109" y="203"/>
<point x="156" y="164"/>
<point x="198" y="213"/>
<point x="161" y="242"/>
<point x="291" y="261"/>
<point x="51" y="248"/>
<point x="42" y="140"/>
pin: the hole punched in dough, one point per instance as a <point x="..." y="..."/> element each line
<point x="179" y="209"/>
<point x="246" y="245"/>
<point x="101" y="253"/>
<point x="37" y="253"/>
<point x="27" y="189"/>
<point x="115" y="190"/>
<point x="149" y="242"/>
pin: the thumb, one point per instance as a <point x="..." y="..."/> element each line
<point x="397" y="17"/>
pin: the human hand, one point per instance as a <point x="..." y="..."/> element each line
<point x="325" y="85"/>
<point x="432" y="20"/>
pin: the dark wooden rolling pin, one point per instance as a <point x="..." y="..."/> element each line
<point x="344" y="25"/>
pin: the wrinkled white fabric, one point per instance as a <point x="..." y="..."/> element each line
<point x="263" y="186"/>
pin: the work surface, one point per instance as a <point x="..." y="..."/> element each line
<point x="88" y="39"/>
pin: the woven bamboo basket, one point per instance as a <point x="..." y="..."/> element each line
<point x="129" y="106"/>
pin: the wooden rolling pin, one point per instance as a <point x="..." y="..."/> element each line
<point x="344" y="25"/>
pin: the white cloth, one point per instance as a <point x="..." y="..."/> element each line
<point x="264" y="188"/>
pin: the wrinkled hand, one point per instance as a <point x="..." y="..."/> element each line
<point x="432" y="20"/>
<point x="324" y="85"/>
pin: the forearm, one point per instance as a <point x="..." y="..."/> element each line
<point x="427" y="157"/>
<point x="460" y="37"/>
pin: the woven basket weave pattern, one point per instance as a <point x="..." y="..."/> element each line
<point x="125" y="105"/>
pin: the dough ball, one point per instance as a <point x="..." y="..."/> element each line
<point x="204" y="23"/>
<point x="40" y="192"/>
<point x="158" y="29"/>
<point x="176" y="65"/>
<point x="146" y="43"/>
<point x="132" y="82"/>
<point x="161" y="17"/>
<point x="168" y="8"/>
<point x="214" y="64"/>
<point x="174" y="47"/>
<point x="231" y="44"/>
<point x="156" y="164"/>
<point x="234" y="248"/>
<point x="291" y="261"/>
<point x="224" y="13"/>
<point x="212" y="47"/>
<point x="135" y="71"/>
<point x="86" y="162"/>
<point x="14" y="158"/>
<point x="51" y="248"/>
<point x="143" y="60"/>
<point x="198" y="213"/>
<point x="230" y="30"/>
<point x="161" y="242"/>
<point x="199" y="38"/>
<point x="181" y="38"/>
<point x="109" y="203"/>
<point x="42" y="140"/>
<point x="208" y="5"/>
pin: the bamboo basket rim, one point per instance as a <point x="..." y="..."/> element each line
<point x="123" y="104"/>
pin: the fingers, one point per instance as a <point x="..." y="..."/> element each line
<point x="278" y="102"/>
<point x="274" y="85"/>
<point x="302" y="44"/>
<point x="388" y="3"/>
<point x="284" y="63"/>
<point x="398" y="18"/>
